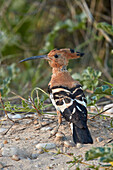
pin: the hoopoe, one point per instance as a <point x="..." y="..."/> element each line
<point x="66" y="94"/>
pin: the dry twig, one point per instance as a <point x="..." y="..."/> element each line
<point x="85" y="8"/>
<point x="45" y="125"/>
<point x="101" y="112"/>
<point x="31" y="102"/>
<point x="33" y="105"/>
<point x="8" y="129"/>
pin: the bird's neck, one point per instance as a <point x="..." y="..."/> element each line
<point x="56" y="70"/>
<point x="61" y="77"/>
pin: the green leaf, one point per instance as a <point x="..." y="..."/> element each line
<point x="107" y="158"/>
<point x="105" y="90"/>
<point x="24" y="104"/>
<point x="105" y="154"/>
<point x="89" y="78"/>
<point x="68" y="25"/>
<point x="106" y="27"/>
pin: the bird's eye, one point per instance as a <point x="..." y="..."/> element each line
<point x="56" y="56"/>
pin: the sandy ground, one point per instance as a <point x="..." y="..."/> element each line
<point x="25" y="135"/>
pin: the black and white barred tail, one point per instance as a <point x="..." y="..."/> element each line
<point x="72" y="105"/>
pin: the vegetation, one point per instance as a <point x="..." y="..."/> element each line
<point x="31" y="27"/>
<point x="35" y="27"/>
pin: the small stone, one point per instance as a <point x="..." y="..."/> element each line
<point x="2" y="130"/>
<point x="54" y="131"/>
<point x="40" y="151"/>
<point x="16" y="116"/>
<point x="29" y="159"/>
<point x="53" y="158"/>
<point x="1" y="165"/>
<point x="50" y="166"/>
<point x="1" y="145"/>
<point x="0" y="153"/>
<point x="35" y="122"/>
<point x="34" y="155"/>
<point x="10" y="151"/>
<point x="5" y="142"/>
<point x="38" y="126"/>
<point x="99" y="139"/>
<point x="5" y="152"/>
<point x="60" y="135"/>
<point x="44" y="123"/>
<point x="79" y="145"/>
<point x="68" y="144"/>
<point x="46" y="129"/>
<point x="35" y="142"/>
<point x="17" y="138"/>
<point x="15" y="158"/>
<point x="37" y="166"/>
<point x="45" y="145"/>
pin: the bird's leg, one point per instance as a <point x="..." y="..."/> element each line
<point x="59" y="123"/>
<point x="59" y="118"/>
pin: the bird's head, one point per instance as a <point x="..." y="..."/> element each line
<point x="58" y="58"/>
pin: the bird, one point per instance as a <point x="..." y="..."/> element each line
<point x="66" y="94"/>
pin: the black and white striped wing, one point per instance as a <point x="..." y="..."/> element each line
<point x="71" y="103"/>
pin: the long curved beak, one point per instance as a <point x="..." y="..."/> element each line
<point x="34" y="57"/>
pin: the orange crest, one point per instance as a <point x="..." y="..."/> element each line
<point x="60" y="57"/>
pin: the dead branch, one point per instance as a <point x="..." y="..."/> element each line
<point x="33" y="105"/>
<point x="85" y="8"/>
<point x="101" y="112"/>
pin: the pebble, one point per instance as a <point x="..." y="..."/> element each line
<point x="2" y="130"/>
<point x="53" y="158"/>
<point x="10" y="151"/>
<point x="79" y="145"/>
<point x="50" y="166"/>
<point x="37" y="166"/>
<point x="38" y="126"/>
<point x="99" y="139"/>
<point x="46" y="129"/>
<point x="35" y="122"/>
<point x="1" y="165"/>
<point x="17" y="138"/>
<point x="1" y="145"/>
<point x="45" y="145"/>
<point x="59" y="135"/>
<point x="54" y="131"/>
<point x="5" y="142"/>
<point x="44" y="123"/>
<point x="68" y="144"/>
<point x="35" y="142"/>
<point x="16" y="116"/>
<point x="34" y="155"/>
<point x="15" y="158"/>
<point x="40" y="151"/>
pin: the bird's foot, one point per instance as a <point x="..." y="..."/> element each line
<point x="54" y="131"/>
